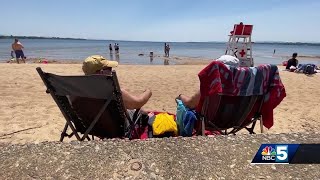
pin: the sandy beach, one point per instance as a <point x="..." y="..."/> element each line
<point x="28" y="114"/>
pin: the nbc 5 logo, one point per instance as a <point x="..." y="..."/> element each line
<point x="282" y="153"/>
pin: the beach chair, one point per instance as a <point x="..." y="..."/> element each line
<point x="230" y="114"/>
<point x="233" y="98"/>
<point x="91" y="89"/>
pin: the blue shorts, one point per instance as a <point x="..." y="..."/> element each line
<point x="19" y="54"/>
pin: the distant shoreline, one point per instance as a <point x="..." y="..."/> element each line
<point x="62" y="38"/>
<point x="174" y="60"/>
<point x="38" y="37"/>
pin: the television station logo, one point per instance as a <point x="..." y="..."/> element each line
<point x="272" y="153"/>
<point x="268" y="153"/>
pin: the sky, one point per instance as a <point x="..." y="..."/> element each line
<point x="162" y="20"/>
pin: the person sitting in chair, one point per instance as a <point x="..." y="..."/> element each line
<point x="89" y="108"/>
<point x="192" y="101"/>
<point x="99" y="65"/>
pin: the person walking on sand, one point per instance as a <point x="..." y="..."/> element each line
<point x="110" y="48"/>
<point x="17" y="48"/>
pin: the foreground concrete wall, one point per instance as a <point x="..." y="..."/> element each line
<point x="222" y="157"/>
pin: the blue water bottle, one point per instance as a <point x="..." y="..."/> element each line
<point x="181" y="111"/>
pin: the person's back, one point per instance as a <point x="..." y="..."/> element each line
<point x="16" y="46"/>
<point x="292" y="62"/>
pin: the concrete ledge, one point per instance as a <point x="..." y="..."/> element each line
<point x="222" y="157"/>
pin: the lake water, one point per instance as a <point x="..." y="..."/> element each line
<point x="56" y="49"/>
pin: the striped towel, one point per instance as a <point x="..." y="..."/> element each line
<point x="218" y="78"/>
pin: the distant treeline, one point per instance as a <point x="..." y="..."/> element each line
<point x="257" y="42"/>
<point x="36" y="37"/>
<point x="269" y="42"/>
<point x="290" y="43"/>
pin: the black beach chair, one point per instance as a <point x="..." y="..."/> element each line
<point x="102" y="91"/>
<point x="230" y="114"/>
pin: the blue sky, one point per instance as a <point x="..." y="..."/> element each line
<point x="162" y="20"/>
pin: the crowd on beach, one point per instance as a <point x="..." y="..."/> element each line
<point x="17" y="54"/>
<point x="116" y="49"/>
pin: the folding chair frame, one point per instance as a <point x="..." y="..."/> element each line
<point x="131" y="129"/>
<point x="234" y="129"/>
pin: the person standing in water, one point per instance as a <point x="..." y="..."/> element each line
<point x="110" y="48"/>
<point x="12" y="56"/>
<point x="116" y="48"/>
<point x="168" y="50"/>
<point x="17" y="48"/>
<point x="165" y="49"/>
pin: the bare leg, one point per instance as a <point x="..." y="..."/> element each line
<point x="192" y="101"/>
<point x="135" y="101"/>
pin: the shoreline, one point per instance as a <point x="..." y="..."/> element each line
<point x="177" y="60"/>
<point x="174" y="60"/>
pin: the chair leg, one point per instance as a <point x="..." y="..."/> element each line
<point x="202" y="127"/>
<point x="64" y="132"/>
<point x="261" y="124"/>
<point x="135" y="120"/>
<point x="251" y="129"/>
<point x="133" y="130"/>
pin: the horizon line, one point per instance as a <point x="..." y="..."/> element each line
<point x="97" y="39"/>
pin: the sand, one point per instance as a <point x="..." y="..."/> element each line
<point x="28" y="114"/>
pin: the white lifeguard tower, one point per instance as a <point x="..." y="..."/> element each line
<point x="240" y="44"/>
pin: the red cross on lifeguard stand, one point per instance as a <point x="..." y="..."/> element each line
<point x="242" y="53"/>
<point x="240" y="45"/>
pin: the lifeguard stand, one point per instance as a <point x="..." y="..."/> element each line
<point x="240" y="45"/>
